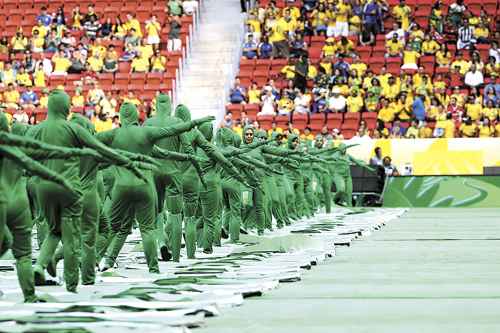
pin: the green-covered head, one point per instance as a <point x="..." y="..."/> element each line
<point x="225" y="137"/>
<point x="58" y="104"/>
<point x="19" y="128"/>
<point x="83" y="122"/>
<point x="343" y="148"/>
<point x="182" y="112"/>
<point x="293" y="141"/>
<point x="248" y="134"/>
<point x="319" y="141"/>
<point x="261" y="135"/>
<point x="207" y="129"/>
<point x="236" y="140"/>
<point x="128" y="115"/>
<point x="4" y="123"/>
<point x="163" y="105"/>
<point x="278" y="137"/>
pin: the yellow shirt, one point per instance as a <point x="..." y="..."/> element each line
<point x="146" y="51"/>
<point x="140" y="65"/>
<point x="386" y="114"/>
<point x="390" y="91"/>
<point x="19" y="43"/>
<point x="425" y="132"/>
<point x="327" y="66"/>
<point x="153" y="29"/>
<point x="255" y="24"/>
<point x="485" y="131"/>
<point x="95" y="64"/>
<point x="312" y="72"/>
<point x="402" y="14"/>
<point x="8" y="76"/>
<point x="285" y="104"/>
<point x="343" y="11"/>
<point x="360" y="68"/>
<point x="394" y="47"/>
<point x="101" y="126"/>
<point x="442" y="58"/>
<point x="42" y="31"/>
<point x="473" y="111"/>
<point x="99" y="50"/>
<point x="288" y="70"/>
<point x="38" y="42"/>
<point x="78" y="101"/>
<point x="158" y="63"/>
<point x="410" y="57"/>
<point x="24" y="80"/>
<point x="481" y="32"/>
<point x="134" y="23"/>
<point x="468" y="131"/>
<point x="44" y="101"/>
<point x="11" y="96"/>
<point x="61" y="64"/>
<point x="254" y="96"/>
<point x="278" y="31"/>
<point x="463" y="66"/>
<point x="354" y="104"/>
<point x="430" y="47"/>
<point x="329" y="50"/>
<point x="449" y="128"/>
<point x="490" y="113"/>
<point x="39" y="78"/>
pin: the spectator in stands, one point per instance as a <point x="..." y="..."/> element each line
<point x="412" y="131"/>
<point x="301" y="72"/>
<point x="285" y="105"/>
<point x="29" y="99"/>
<point x="468" y="129"/>
<point x="18" y="43"/>
<point x="140" y="64"/>
<point x="153" y="30"/>
<point x="456" y="13"/>
<point x="430" y="46"/>
<point x="302" y="102"/>
<point x="265" y="49"/>
<point x="158" y="62"/>
<point x="418" y="108"/>
<point x="398" y="31"/>
<point x="298" y="46"/>
<point x="254" y="94"/>
<point x="91" y="27"/>
<point x="278" y="36"/>
<point x="371" y="17"/>
<point x="473" y="78"/>
<point x="377" y="159"/>
<point x="11" y="96"/>
<point x="110" y="62"/>
<point x="20" y="116"/>
<point x="268" y="103"/>
<point x="237" y="94"/>
<point x="61" y="63"/>
<point x="91" y="14"/>
<point x="390" y="169"/>
<point x="337" y="102"/>
<point x="174" y="39"/>
<point x="189" y="6"/>
<point x="466" y="38"/>
<point x="250" y="48"/>
<point x="175" y="7"/>
<point x="44" y="17"/>
<point x="393" y="47"/>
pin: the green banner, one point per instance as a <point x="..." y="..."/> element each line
<point x="443" y="191"/>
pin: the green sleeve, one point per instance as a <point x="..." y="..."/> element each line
<point x="156" y="133"/>
<point x="35" y="168"/>
<point x="170" y="155"/>
<point x="280" y="151"/>
<point x="259" y="164"/>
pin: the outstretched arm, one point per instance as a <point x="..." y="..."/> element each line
<point x="154" y="133"/>
<point x="34" y="167"/>
<point x="280" y="151"/>
<point x="360" y="163"/>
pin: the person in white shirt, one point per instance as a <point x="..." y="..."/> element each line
<point x="337" y="102"/>
<point x="189" y="6"/>
<point x="494" y="51"/>
<point x="396" y="29"/>
<point x="473" y="78"/>
<point x="268" y="103"/>
<point x="302" y="102"/>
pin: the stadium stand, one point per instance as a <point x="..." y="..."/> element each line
<point x="101" y="53"/>
<point x="380" y="69"/>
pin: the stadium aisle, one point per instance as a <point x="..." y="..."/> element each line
<point x="433" y="270"/>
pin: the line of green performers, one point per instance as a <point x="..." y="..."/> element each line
<point x="173" y="178"/>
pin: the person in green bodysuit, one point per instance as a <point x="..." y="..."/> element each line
<point x="341" y="166"/>
<point x="167" y="180"/>
<point x="192" y="187"/>
<point x="62" y="208"/>
<point x="131" y="195"/>
<point x="18" y="214"/>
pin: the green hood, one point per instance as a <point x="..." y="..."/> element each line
<point x="58" y="105"/>
<point x="342" y="148"/>
<point x="182" y="112"/>
<point x="207" y="129"/>
<point x="225" y="136"/>
<point x="83" y="122"/>
<point x="246" y="128"/>
<point x="128" y="115"/>
<point x="236" y="140"/>
<point x="19" y="129"/>
<point x="291" y="138"/>
<point x="163" y="105"/>
<point x="4" y="122"/>
<point x="261" y="134"/>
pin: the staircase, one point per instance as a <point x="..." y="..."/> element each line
<point x="213" y="59"/>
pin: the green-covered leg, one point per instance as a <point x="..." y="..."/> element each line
<point x="70" y="229"/>
<point x="174" y="223"/>
<point x="191" y="236"/>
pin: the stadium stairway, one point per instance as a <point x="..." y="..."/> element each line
<point x="213" y="59"/>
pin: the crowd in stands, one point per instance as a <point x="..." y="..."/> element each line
<point x="102" y="55"/>
<point x="371" y="69"/>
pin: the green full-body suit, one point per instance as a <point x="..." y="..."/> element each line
<point x="193" y="190"/>
<point x="297" y="181"/>
<point x="18" y="215"/>
<point x="168" y="180"/>
<point x="62" y="208"/>
<point x="134" y="197"/>
<point x="324" y="177"/>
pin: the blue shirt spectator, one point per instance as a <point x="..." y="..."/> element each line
<point x="45" y="18"/>
<point x="371" y="12"/>
<point x="343" y="67"/>
<point x="250" y="48"/>
<point x="265" y="49"/>
<point x="29" y="97"/>
<point x="418" y="108"/>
